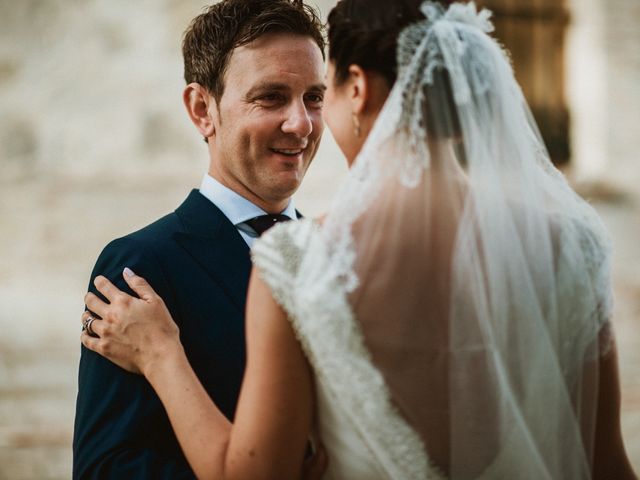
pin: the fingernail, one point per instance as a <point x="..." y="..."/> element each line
<point x="128" y="272"/>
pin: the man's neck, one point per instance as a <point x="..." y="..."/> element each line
<point x="272" y="207"/>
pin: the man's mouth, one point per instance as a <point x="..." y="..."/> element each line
<point x="289" y="152"/>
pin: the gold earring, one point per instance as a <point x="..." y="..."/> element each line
<point x="356" y="123"/>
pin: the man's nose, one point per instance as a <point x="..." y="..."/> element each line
<point x="298" y="120"/>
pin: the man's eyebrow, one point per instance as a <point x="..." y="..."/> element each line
<point x="279" y="87"/>
<point x="267" y="86"/>
<point x="320" y="87"/>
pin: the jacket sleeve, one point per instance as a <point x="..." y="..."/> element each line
<point x="121" y="429"/>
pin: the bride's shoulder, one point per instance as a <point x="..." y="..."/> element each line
<point x="278" y="255"/>
<point x="290" y="233"/>
<point x="285" y="244"/>
<point x="584" y="234"/>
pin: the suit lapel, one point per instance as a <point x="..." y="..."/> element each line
<point x="214" y="242"/>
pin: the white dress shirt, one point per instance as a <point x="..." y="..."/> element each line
<point x="237" y="208"/>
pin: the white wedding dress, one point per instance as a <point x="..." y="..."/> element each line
<point x="363" y="433"/>
<point x="365" y="436"/>
<point x="453" y="303"/>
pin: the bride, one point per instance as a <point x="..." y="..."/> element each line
<point x="449" y="317"/>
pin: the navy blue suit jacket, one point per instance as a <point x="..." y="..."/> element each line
<point x="196" y="260"/>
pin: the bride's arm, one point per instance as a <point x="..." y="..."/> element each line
<point x="610" y="458"/>
<point x="274" y="413"/>
<point x="275" y="410"/>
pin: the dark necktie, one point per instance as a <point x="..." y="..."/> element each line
<point x="264" y="222"/>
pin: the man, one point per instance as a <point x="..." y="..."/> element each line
<point x="254" y="73"/>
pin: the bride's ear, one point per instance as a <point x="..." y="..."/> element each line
<point x="368" y="90"/>
<point x="201" y="108"/>
<point x="358" y="89"/>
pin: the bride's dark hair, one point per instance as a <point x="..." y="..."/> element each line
<point x="365" y="33"/>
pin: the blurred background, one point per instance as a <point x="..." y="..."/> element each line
<point x="94" y="143"/>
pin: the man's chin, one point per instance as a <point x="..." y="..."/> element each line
<point x="286" y="186"/>
<point x="289" y="179"/>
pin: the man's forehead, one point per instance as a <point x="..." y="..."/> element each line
<point x="282" y="60"/>
<point x="287" y="48"/>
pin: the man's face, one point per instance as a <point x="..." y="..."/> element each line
<point x="269" y="120"/>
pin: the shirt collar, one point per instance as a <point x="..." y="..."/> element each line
<point x="233" y="205"/>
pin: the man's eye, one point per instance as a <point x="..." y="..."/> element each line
<point x="271" y="98"/>
<point x="315" y="98"/>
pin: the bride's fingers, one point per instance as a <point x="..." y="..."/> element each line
<point x="90" y="342"/>
<point x="95" y="304"/>
<point x="98" y="327"/>
<point x="84" y="317"/>
<point x="138" y="284"/>
<point x="95" y="327"/>
<point x="108" y="289"/>
<point x="111" y="351"/>
<point x="315" y="466"/>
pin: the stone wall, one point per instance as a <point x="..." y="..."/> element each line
<point x="93" y="88"/>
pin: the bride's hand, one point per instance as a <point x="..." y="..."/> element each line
<point x="131" y="332"/>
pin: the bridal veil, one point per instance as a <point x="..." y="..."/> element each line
<point x="478" y="279"/>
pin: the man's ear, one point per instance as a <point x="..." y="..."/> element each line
<point x="358" y="85"/>
<point x="201" y="108"/>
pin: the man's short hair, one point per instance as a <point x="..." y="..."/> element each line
<point x="213" y="35"/>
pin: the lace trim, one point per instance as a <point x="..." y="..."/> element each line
<point x="324" y="324"/>
<point x="585" y="315"/>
